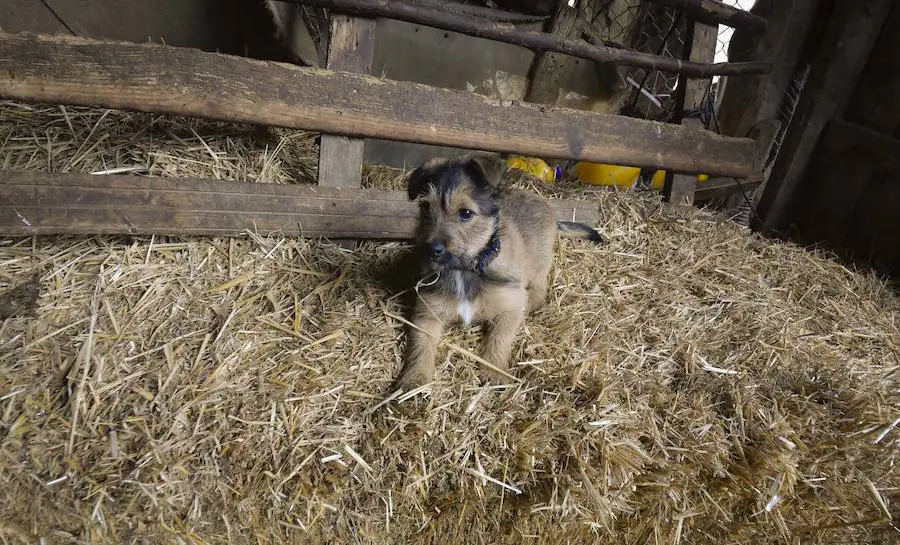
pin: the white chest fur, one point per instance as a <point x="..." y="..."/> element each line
<point x="465" y="309"/>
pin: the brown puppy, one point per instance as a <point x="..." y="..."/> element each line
<point x="486" y="253"/>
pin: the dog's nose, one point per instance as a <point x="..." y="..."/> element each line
<point x="436" y="249"/>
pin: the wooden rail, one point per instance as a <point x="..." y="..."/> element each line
<point x="163" y="79"/>
<point x="538" y="41"/>
<point x="37" y="203"/>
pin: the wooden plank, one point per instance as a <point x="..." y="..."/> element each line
<point x="37" y="203"/>
<point x="549" y="68"/>
<point x="350" y="50"/>
<point x="712" y="12"/>
<point x="413" y="12"/>
<point x="703" y="49"/>
<point x="155" y="78"/>
<point x="852" y="32"/>
<point x="876" y="101"/>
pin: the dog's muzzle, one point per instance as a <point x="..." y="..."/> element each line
<point x="436" y="250"/>
<point x="436" y="256"/>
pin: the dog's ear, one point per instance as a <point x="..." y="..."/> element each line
<point x="418" y="181"/>
<point x="487" y="169"/>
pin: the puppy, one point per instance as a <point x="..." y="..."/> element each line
<point x="485" y="253"/>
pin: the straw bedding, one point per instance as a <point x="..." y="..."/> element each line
<point x="686" y="383"/>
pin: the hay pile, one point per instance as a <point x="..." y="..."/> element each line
<point x="687" y="383"/>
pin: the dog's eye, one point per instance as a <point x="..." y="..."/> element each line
<point x="465" y="214"/>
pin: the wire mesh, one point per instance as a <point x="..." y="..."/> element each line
<point x="614" y="20"/>
<point x="659" y="31"/>
<point x="725" y="33"/>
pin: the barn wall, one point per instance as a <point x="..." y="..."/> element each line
<point x="849" y="197"/>
<point x="230" y="26"/>
<point x="408" y="52"/>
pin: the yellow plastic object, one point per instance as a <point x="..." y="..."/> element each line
<point x="603" y="174"/>
<point x="535" y="167"/>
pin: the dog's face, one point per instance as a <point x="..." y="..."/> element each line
<point x="457" y="209"/>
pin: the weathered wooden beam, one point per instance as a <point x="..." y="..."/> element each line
<point x="549" y="68"/>
<point x="37" y="203"/>
<point x="350" y="49"/>
<point x="789" y="24"/>
<point x="537" y="41"/>
<point x="852" y="32"/>
<point x="703" y="48"/>
<point x="712" y="12"/>
<point x="162" y="79"/>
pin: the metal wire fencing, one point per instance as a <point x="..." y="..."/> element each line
<point x="725" y="32"/>
<point x="648" y="28"/>
<point x="658" y="30"/>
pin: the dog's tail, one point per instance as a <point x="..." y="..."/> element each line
<point x="579" y="230"/>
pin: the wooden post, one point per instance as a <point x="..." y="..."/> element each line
<point x="788" y="28"/>
<point x="789" y="24"/>
<point x="350" y="50"/>
<point x="550" y="67"/>
<point x="851" y="33"/>
<point x="703" y="49"/>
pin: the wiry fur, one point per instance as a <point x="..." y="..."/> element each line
<point x="511" y="285"/>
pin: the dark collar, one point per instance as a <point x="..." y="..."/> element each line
<point x="490" y="251"/>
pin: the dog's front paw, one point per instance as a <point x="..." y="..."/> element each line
<point x="411" y="378"/>
<point x="489" y="376"/>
